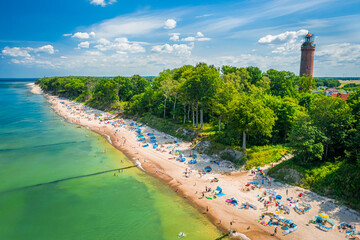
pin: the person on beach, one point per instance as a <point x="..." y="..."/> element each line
<point x="275" y="231"/>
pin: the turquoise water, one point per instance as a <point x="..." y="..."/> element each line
<point x="47" y="192"/>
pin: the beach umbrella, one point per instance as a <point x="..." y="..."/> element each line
<point x="278" y="197"/>
<point x="247" y="185"/>
<point x="324" y="215"/>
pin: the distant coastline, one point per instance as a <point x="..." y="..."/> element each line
<point x="17" y="79"/>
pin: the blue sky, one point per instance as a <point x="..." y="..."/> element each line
<point x="114" y="37"/>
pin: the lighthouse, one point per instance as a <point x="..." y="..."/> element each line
<point x="307" y="56"/>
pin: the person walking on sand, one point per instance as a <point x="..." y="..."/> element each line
<point x="287" y="191"/>
<point x="275" y="231"/>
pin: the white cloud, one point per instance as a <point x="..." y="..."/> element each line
<point x="284" y="43"/>
<point x="340" y="53"/>
<point x="125" y="26"/>
<point x="170" y="24"/>
<point x="67" y="35"/>
<point x="179" y="49"/>
<point x="85" y="44"/>
<point x="104" y="41"/>
<point x="46" y="49"/>
<point x="119" y="44"/>
<point x="199" y="37"/>
<point x="102" y="3"/>
<point x="199" y="34"/>
<point x="224" y="24"/>
<point x="188" y="39"/>
<point x="174" y="37"/>
<point x="25" y="52"/>
<point x="93" y="53"/>
<point x="83" y="35"/>
<point x="288" y="36"/>
<point x="203" y="39"/>
<point x="16" y="52"/>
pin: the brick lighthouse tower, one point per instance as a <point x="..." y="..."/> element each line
<point x="307" y="56"/>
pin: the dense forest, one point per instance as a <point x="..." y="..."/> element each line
<point x="243" y="108"/>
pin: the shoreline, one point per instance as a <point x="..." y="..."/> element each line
<point x="171" y="172"/>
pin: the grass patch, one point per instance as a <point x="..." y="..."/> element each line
<point x="261" y="156"/>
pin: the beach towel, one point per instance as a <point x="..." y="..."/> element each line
<point x="220" y="194"/>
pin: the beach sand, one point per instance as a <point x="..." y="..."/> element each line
<point x="162" y="165"/>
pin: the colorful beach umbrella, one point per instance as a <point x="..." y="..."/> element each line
<point x="323" y="215"/>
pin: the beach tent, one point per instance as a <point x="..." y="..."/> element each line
<point x="208" y="169"/>
<point x="291" y="227"/>
<point x="153" y="137"/>
<point x="324" y="222"/>
<point x="192" y="161"/>
<point x="353" y="234"/>
<point x="150" y="134"/>
<point x="219" y="192"/>
<point x="270" y="192"/>
<point x="346" y="227"/>
<point x="181" y="159"/>
<point x="247" y="206"/>
<point x="283" y="208"/>
<point x="153" y="141"/>
<point x="155" y="146"/>
<point x="232" y="201"/>
<point x="146" y="145"/>
<point x="278" y="197"/>
<point x="302" y="207"/>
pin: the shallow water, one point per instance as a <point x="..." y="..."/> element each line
<point x="47" y="192"/>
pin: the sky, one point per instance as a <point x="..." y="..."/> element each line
<point x="114" y="37"/>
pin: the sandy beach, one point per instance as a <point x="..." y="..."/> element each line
<point x="191" y="182"/>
